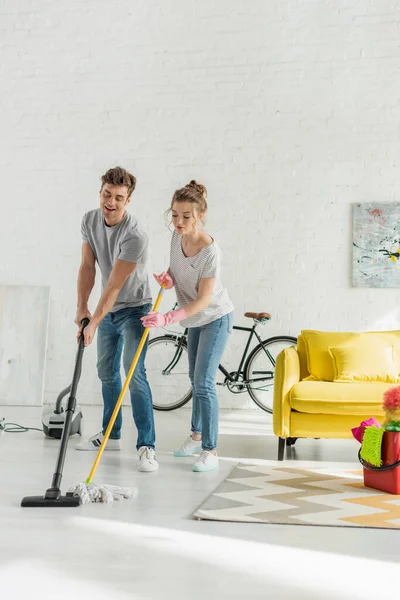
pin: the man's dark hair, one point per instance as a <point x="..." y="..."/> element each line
<point x="119" y="176"/>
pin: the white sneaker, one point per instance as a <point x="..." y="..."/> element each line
<point x="207" y="461"/>
<point x="95" y="441"/>
<point x="189" y="446"/>
<point x="147" y="460"/>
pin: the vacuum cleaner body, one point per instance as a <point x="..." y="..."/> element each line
<point x="53" y="422"/>
<point x="53" y="418"/>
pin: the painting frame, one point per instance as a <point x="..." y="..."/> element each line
<point x="376" y="245"/>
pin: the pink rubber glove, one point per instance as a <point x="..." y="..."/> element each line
<point x="164" y="278"/>
<point x="154" y="319"/>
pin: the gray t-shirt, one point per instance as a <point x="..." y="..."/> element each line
<point x="187" y="272"/>
<point x="125" y="241"/>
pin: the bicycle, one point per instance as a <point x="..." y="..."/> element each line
<point x="167" y="367"/>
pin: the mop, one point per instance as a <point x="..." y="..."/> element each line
<point x="88" y="491"/>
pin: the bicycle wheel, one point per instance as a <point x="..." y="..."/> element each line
<point x="259" y="370"/>
<point x="167" y="368"/>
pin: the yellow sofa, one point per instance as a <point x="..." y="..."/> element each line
<point x="331" y="382"/>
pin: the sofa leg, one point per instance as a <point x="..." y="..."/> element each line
<point x="281" y="448"/>
<point x="290" y="441"/>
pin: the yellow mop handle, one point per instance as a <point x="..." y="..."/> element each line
<point x="123" y="391"/>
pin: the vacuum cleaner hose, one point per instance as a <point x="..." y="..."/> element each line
<point x="58" y="409"/>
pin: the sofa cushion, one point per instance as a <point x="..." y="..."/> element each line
<point x="317" y="343"/>
<point x="327" y="398"/>
<point x="364" y="363"/>
<point x="302" y="352"/>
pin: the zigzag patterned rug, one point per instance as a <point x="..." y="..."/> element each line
<point x="300" y="496"/>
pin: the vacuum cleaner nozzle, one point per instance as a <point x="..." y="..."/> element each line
<point x="70" y="500"/>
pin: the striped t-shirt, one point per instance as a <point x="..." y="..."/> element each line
<point x="187" y="272"/>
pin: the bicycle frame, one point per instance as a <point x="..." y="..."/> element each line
<point x="177" y="354"/>
<point x="252" y="332"/>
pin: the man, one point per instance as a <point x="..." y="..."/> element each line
<point x="115" y="240"/>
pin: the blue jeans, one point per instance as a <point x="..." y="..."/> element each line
<point x="206" y="346"/>
<point x="121" y="332"/>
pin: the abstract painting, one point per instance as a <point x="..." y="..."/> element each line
<point x="24" y="314"/>
<point x="376" y="245"/>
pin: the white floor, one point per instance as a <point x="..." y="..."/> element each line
<point x="151" y="548"/>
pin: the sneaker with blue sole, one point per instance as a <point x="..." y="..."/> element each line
<point x="189" y="447"/>
<point x="207" y="461"/>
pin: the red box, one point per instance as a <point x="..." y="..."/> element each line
<point x="387" y="481"/>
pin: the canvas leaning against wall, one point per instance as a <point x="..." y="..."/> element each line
<point x="376" y="245"/>
<point x="24" y="315"/>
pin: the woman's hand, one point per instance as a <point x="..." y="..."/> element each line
<point x="164" y="279"/>
<point x="154" y="319"/>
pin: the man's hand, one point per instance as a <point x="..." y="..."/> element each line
<point x="80" y="315"/>
<point x="89" y="332"/>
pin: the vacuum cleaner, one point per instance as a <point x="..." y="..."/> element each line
<point x="53" y="496"/>
<point x="53" y="419"/>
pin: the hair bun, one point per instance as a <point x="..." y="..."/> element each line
<point x="199" y="187"/>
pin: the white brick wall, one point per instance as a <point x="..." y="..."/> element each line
<point x="288" y="110"/>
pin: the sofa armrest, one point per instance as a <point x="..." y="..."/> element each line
<point x="287" y="374"/>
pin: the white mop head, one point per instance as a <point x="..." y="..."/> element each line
<point x="102" y="493"/>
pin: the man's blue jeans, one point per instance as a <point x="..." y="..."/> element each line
<point x="206" y="346"/>
<point x="120" y="333"/>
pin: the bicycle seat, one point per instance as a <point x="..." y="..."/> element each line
<point x="257" y="316"/>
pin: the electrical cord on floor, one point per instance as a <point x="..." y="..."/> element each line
<point x="15" y="428"/>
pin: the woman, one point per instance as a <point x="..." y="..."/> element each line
<point x="205" y="308"/>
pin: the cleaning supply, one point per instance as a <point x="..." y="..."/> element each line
<point x="371" y="446"/>
<point x="358" y="432"/>
<point x="387" y="476"/>
<point x="53" y="496"/>
<point x="91" y="492"/>
<point x="53" y="418"/>
<point x="391" y="406"/>
<point x="380" y="452"/>
<point x="88" y="491"/>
